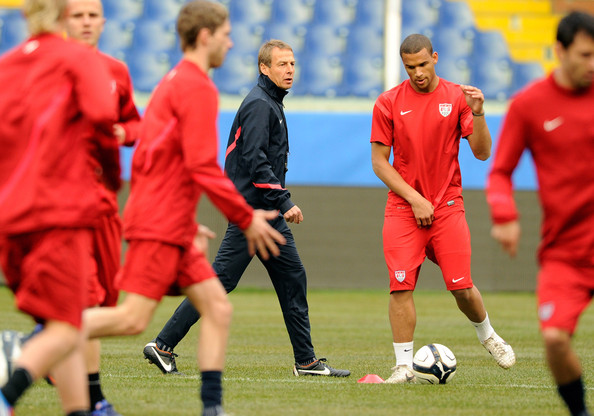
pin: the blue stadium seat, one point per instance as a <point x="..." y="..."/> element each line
<point x="153" y="36"/>
<point x="320" y="76"/>
<point x="293" y="35"/>
<point x="489" y="45"/>
<point x="524" y="73"/>
<point x="363" y="77"/>
<point x="123" y="10"/>
<point x="249" y="11"/>
<point x="292" y="12"/>
<point x="325" y="40"/>
<point x="492" y="76"/>
<point x="13" y="30"/>
<point x="453" y="42"/>
<point x="456" y="14"/>
<point x="334" y="13"/>
<point x="247" y="38"/>
<point x="370" y="13"/>
<point x="454" y="69"/>
<point x="418" y="16"/>
<point x="237" y="75"/>
<point x="365" y="40"/>
<point x="116" y="37"/>
<point x="147" y="69"/>
<point x="163" y="10"/>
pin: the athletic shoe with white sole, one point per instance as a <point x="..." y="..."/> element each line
<point x="319" y="368"/>
<point x="104" y="408"/>
<point x="501" y="351"/>
<point x="11" y="343"/>
<point x="164" y="360"/>
<point x="214" y="411"/>
<point x="402" y="374"/>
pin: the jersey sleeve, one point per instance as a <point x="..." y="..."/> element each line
<point x="200" y="144"/>
<point x="256" y="118"/>
<point x="129" y="117"/>
<point x="510" y="146"/>
<point x="382" y="123"/>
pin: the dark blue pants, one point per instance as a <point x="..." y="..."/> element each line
<point x="288" y="278"/>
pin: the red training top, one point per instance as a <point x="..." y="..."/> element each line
<point x="424" y="130"/>
<point x="557" y="127"/>
<point x="129" y="119"/>
<point x="176" y="161"/>
<point x="52" y="91"/>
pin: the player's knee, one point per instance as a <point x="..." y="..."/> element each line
<point x="556" y="341"/>
<point x="220" y="310"/>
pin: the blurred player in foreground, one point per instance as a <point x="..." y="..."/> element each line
<point x="174" y="164"/>
<point x="554" y="119"/>
<point x="422" y="119"/>
<point x="53" y="92"/>
<point x="256" y="162"/>
<point x="85" y="23"/>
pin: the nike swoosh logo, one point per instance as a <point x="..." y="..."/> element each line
<point x="457" y="280"/>
<point x="550" y="125"/>
<point x="408" y="350"/>
<point x="165" y="366"/>
<point x="325" y="372"/>
<point x="404" y="112"/>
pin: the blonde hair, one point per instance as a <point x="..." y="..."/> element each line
<point x="43" y="16"/>
<point x="265" y="53"/>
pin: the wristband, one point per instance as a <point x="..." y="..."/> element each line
<point x="477" y="114"/>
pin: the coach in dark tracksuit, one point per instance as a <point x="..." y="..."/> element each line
<point x="256" y="162"/>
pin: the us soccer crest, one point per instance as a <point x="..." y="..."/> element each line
<point x="445" y="109"/>
<point x="400" y="275"/>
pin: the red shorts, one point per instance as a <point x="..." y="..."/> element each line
<point x="45" y="270"/>
<point x="105" y="260"/>
<point x="446" y="242"/>
<point x="563" y="292"/>
<point x="154" y="269"/>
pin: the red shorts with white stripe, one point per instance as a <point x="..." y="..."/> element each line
<point x="446" y="242"/>
<point x="564" y="291"/>
<point x="46" y="269"/>
<point x="154" y="269"/>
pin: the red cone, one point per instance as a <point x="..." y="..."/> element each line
<point x="370" y="378"/>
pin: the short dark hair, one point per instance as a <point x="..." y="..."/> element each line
<point x="265" y="53"/>
<point x="572" y="24"/>
<point x="416" y="43"/>
<point x="197" y="15"/>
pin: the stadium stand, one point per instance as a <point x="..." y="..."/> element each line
<point x="512" y="37"/>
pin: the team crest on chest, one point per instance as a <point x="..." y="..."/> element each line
<point x="445" y="109"/>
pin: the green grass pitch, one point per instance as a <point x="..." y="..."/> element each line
<point x="351" y="329"/>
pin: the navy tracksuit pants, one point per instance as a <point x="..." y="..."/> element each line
<point x="286" y="273"/>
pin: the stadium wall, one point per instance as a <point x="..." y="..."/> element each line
<point x="331" y="179"/>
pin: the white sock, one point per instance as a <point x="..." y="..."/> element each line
<point x="404" y="353"/>
<point x="483" y="329"/>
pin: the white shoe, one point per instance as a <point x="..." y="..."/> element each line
<point x="401" y="374"/>
<point x="501" y="351"/>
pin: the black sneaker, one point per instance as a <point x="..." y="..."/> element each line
<point x="164" y="360"/>
<point x="319" y="368"/>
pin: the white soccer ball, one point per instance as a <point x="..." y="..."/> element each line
<point x="434" y="364"/>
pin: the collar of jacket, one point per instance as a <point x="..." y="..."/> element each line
<point x="271" y="88"/>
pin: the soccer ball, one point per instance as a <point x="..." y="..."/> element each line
<point x="434" y="364"/>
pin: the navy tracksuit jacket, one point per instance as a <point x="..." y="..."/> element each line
<point x="256" y="162"/>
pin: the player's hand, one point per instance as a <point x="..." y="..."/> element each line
<point x="423" y="211"/>
<point x="120" y="133"/>
<point x="474" y="98"/>
<point x="201" y="238"/>
<point x="261" y="236"/>
<point x="508" y="235"/>
<point x="294" y="215"/>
